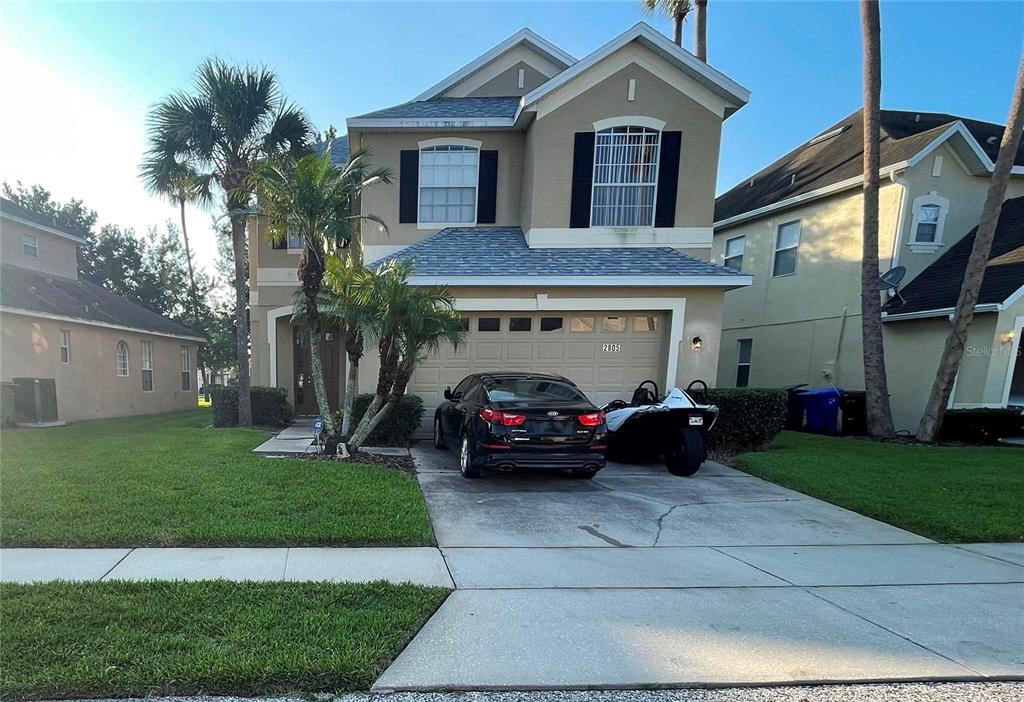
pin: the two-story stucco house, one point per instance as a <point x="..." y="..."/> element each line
<point x="567" y="204"/>
<point x="796" y="228"/>
<point x="73" y="350"/>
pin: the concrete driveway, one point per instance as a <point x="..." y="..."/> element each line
<point x="640" y="579"/>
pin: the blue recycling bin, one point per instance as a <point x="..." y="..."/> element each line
<point x="821" y="406"/>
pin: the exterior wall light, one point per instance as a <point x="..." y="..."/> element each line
<point x="696" y="343"/>
<point x="1007" y="337"/>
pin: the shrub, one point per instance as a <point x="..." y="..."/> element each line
<point x="270" y="406"/>
<point x="981" y="426"/>
<point x="397" y="427"/>
<point x="749" y="417"/>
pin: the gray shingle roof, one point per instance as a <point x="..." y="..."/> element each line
<point x="48" y="294"/>
<point x="502" y="251"/>
<point x="13" y="209"/>
<point x="339" y="150"/>
<point x="450" y="108"/>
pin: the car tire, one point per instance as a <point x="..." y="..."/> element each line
<point x="583" y="473"/>
<point x="685" y="457"/>
<point x="466" y="459"/>
<point x="438" y="440"/>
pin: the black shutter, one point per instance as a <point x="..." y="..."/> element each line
<point x="279" y="245"/>
<point x="668" y="179"/>
<point x="408" y="186"/>
<point x="582" y="180"/>
<point x="487" y="188"/>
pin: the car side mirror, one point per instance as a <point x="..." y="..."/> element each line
<point x="448" y="393"/>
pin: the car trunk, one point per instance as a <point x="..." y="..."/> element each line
<point x="548" y="423"/>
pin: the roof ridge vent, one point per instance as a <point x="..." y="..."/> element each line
<point x="992" y="139"/>
<point x="917" y="118"/>
<point x="827" y="135"/>
<point x="751" y="181"/>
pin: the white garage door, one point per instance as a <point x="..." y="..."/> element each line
<point x="606" y="353"/>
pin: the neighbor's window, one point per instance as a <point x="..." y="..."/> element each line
<point x="734" y="249"/>
<point x="147" y="366"/>
<point x="520" y="324"/>
<point x="787" y="243"/>
<point x="625" y="177"/>
<point x="122" y="359"/>
<point x="744" y="348"/>
<point x="65" y="346"/>
<point x="488" y="324"/>
<point x="927" y="223"/>
<point x="448" y="179"/>
<point x="186" y="369"/>
<point x="30" y="245"/>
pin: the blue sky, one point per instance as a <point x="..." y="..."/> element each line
<point x="89" y="71"/>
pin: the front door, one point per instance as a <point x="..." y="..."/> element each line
<point x="305" y="395"/>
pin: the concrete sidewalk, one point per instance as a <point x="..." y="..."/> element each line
<point x="422" y="566"/>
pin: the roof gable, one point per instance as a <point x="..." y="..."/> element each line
<point x="17" y="213"/>
<point x="549" y="55"/>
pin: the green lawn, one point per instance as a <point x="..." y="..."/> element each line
<point x="169" y="480"/>
<point x="119" y="639"/>
<point x="955" y="494"/>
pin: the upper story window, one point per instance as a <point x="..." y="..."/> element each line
<point x="734" y="249"/>
<point x="625" y="177"/>
<point x="65" y="346"/>
<point x="147" y="366"/>
<point x="448" y="179"/>
<point x="292" y="244"/>
<point x="122" y="359"/>
<point x="186" y="369"/>
<point x="30" y="245"/>
<point x="787" y="244"/>
<point x="928" y="222"/>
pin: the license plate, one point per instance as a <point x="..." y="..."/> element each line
<point x="696" y="421"/>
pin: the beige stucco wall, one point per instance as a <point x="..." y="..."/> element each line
<point x="57" y="255"/>
<point x="88" y="387"/>
<point x="499" y="76"/>
<point x="549" y="182"/>
<point x="382" y="200"/>
<point x="507" y="82"/>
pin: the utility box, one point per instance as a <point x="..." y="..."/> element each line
<point x="35" y="400"/>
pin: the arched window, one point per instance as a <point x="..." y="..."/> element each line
<point x="449" y="174"/>
<point x="122" y="359"/>
<point x="625" y="177"/>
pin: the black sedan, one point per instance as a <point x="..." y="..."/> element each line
<point x="505" y="421"/>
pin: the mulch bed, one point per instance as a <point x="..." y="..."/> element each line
<point x="404" y="464"/>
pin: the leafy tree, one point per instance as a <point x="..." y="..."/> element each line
<point x="234" y="118"/>
<point x="876" y="384"/>
<point x="316" y="200"/>
<point x="974" y="273"/>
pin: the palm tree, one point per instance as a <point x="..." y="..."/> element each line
<point x="408" y="324"/>
<point x="676" y="10"/>
<point x="974" y="273"/>
<point x="875" y="383"/>
<point x="235" y="118"/>
<point x="700" y="43"/>
<point x="314" y="199"/>
<point x="181" y="185"/>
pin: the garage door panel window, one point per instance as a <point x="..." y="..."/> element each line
<point x="581" y="324"/>
<point x="744" y="350"/>
<point x="615" y="324"/>
<point x="488" y="324"/>
<point x="645" y="324"/>
<point x="550" y="324"/>
<point x="520" y="324"/>
<point x="464" y="323"/>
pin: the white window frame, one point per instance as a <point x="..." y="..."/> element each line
<point x="186" y="369"/>
<point x="430" y="144"/>
<point x="935" y="200"/>
<point x="146" y="366"/>
<point x="65" y="346"/>
<point x="725" y="252"/>
<point x="776" y="249"/>
<point x="122" y="346"/>
<point x="608" y="127"/>
<point x="30" y="241"/>
<point x="743" y="364"/>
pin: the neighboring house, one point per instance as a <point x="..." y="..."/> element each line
<point x="796" y="227"/>
<point x="567" y="205"/>
<point x="72" y="349"/>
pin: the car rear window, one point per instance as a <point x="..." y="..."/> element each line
<point x="532" y="389"/>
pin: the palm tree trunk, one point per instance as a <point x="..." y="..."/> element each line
<point x="875" y="382"/>
<point x="194" y="293"/>
<point x="354" y="351"/>
<point x="311" y="271"/>
<point x="389" y="371"/>
<point x="974" y="273"/>
<point x="701" y="29"/>
<point x="677" y="28"/>
<point x="241" y="319"/>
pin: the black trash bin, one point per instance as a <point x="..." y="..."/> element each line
<point x="794" y="408"/>
<point x="854" y="406"/>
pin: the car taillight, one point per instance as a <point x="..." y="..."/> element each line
<point x="503" y="418"/>
<point x="592" y="420"/>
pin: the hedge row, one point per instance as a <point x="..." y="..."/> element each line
<point x="749" y="417"/>
<point x="270" y="406"/>
<point x="397" y="427"/>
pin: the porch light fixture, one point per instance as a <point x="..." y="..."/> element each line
<point x="696" y="343"/>
<point x="1007" y="337"/>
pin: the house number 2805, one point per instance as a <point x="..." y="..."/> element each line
<point x="611" y="348"/>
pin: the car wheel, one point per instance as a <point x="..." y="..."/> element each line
<point x="438" y="436"/>
<point x="686" y="456"/>
<point x="583" y="473"/>
<point x="466" y="460"/>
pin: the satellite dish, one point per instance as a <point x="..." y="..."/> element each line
<point x="890" y="281"/>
